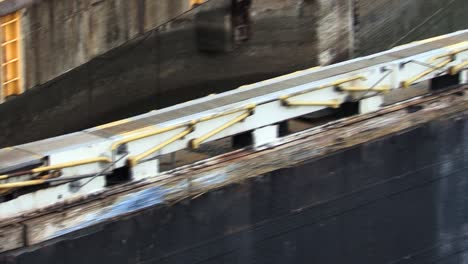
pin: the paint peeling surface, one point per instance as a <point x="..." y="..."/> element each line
<point x="211" y="179"/>
<point x="141" y="200"/>
<point x="127" y="204"/>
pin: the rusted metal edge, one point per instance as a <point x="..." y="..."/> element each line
<point x="196" y="179"/>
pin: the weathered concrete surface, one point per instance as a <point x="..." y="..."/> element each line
<point x="388" y="187"/>
<point x="383" y="24"/>
<point x="165" y="67"/>
<point x="60" y="35"/>
<point x="10" y="6"/>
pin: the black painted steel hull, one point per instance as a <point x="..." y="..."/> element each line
<point x="399" y="199"/>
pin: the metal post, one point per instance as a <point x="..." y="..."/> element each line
<point x="173" y="159"/>
<point x="464" y="77"/>
<point x="370" y="104"/>
<point x="265" y="135"/>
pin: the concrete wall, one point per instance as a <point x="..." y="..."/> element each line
<point x="383" y="24"/>
<point x="59" y="35"/>
<point x="10" y="6"/>
<point x="165" y="66"/>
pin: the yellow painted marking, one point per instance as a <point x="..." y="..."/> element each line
<point x="112" y="124"/>
<point x="59" y="166"/>
<point x="133" y="161"/>
<point x="409" y="82"/>
<point x="21" y="184"/>
<point x="148" y="133"/>
<point x="383" y="88"/>
<point x="195" y="143"/>
<point x="458" y="45"/>
<point x="137" y="130"/>
<point x="335" y="103"/>
<point x="430" y="39"/>
<point x="457" y="68"/>
<point x="351" y="79"/>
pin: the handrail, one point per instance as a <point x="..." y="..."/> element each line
<point x="457" y="68"/>
<point x="134" y="160"/>
<point x="13" y="185"/>
<point x="56" y="167"/>
<point x="383" y="88"/>
<point x="158" y="131"/>
<point x="329" y="85"/>
<point x="409" y="82"/>
<point x="195" y="143"/>
<point x="149" y="133"/>
<point x="335" y="103"/>
<point x="225" y="113"/>
<point x="451" y="53"/>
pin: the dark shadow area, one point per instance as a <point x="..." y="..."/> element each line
<point x="444" y="82"/>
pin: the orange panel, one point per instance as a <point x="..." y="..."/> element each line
<point x="196" y="2"/>
<point x="10" y="54"/>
